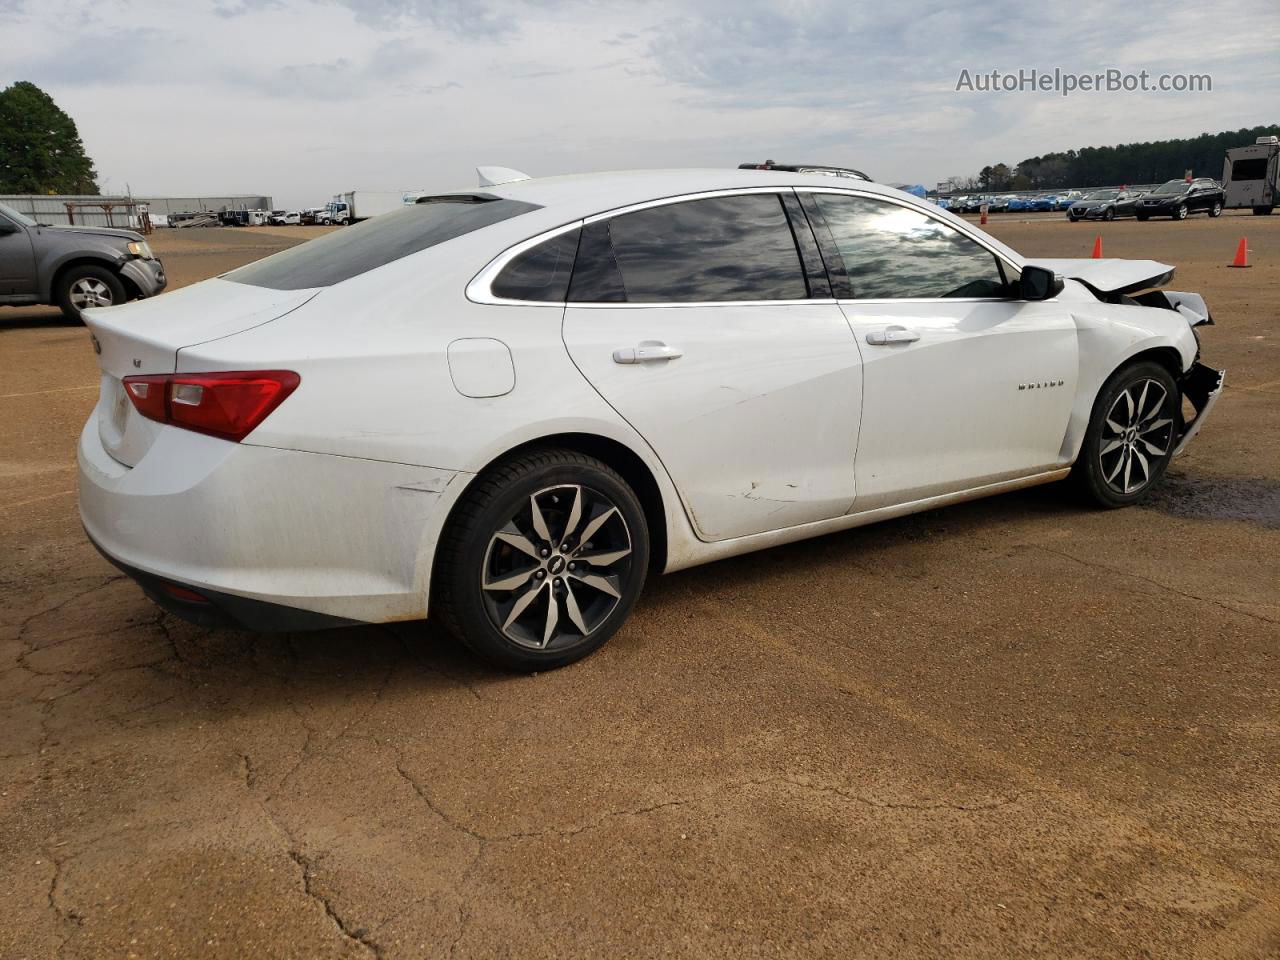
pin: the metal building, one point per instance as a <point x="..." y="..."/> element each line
<point x="53" y="209"/>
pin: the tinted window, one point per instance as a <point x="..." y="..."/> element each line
<point x="540" y="273"/>
<point x="890" y="252"/>
<point x="358" y="249"/>
<point x="721" y="248"/>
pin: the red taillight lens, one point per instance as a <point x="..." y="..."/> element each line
<point x="227" y="405"/>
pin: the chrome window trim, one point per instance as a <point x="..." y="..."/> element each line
<point x="480" y="289"/>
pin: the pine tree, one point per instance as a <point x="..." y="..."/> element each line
<point x="40" y="148"/>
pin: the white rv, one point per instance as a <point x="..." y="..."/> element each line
<point x="1249" y="176"/>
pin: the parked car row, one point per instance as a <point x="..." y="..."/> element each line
<point x="1176" y="199"/>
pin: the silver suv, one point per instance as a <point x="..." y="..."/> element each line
<point x="73" y="267"/>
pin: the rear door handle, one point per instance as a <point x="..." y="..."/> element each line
<point x="892" y="334"/>
<point x="647" y="351"/>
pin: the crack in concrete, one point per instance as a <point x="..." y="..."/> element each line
<point x="1155" y="583"/>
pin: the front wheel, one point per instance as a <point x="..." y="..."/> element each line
<point x="1216" y="209"/>
<point x="86" y="286"/>
<point x="1131" y="435"/>
<point x="542" y="560"/>
<point x="1180" y="213"/>
<point x="1110" y="214"/>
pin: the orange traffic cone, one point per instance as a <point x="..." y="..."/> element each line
<point x="1097" y="247"/>
<point x="1242" y="254"/>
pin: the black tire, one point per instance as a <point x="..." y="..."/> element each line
<point x="1216" y="209"/>
<point x="1181" y="212"/>
<point x="81" y="281"/>
<point x="1109" y="213"/>
<point x="1262" y="211"/>
<point x="1099" y="472"/>
<point x="471" y="554"/>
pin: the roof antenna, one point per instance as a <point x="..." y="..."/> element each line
<point x="493" y="176"/>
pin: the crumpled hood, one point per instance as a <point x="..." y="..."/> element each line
<point x="1111" y="276"/>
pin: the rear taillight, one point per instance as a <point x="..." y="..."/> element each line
<point x="226" y="405"/>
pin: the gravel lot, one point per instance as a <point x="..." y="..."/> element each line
<point x="1007" y="729"/>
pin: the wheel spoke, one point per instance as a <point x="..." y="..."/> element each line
<point x="575" y="514"/>
<point x="571" y="608"/>
<point x="1128" y="468"/>
<point x="604" y="559"/>
<point x="1119" y="463"/>
<point x="511" y="582"/>
<point x="1128" y="402"/>
<point x="1154" y="425"/>
<point x="515" y="538"/>
<point x="1155" y="407"/>
<point x="553" y="617"/>
<point x="1113" y="445"/>
<point x="590" y="529"/>
<point x="1142" y="399"/>
<point x="522" y="604"/>
<point x="1142" y="461"/>
<point x="1115" y="427"/>
<point x="600" y="583"/>
<point x="539" y="521"/>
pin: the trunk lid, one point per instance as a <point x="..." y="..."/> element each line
<point x="145" y="336"/>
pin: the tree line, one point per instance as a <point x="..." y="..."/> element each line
<point x="1151" y="162"/>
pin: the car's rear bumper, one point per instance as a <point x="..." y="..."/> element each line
<point x="248" y="527"/>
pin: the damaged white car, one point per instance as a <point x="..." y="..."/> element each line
<point x="506" y="407"/>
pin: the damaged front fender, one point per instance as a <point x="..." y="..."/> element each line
<point x="1190" y="305"/>
<point x="1202" y="386"/>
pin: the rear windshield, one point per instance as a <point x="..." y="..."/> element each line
<point x="351" y="251"/>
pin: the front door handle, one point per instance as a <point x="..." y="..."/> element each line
<point x="647" y="351"/>
<point x="892" y="334"/>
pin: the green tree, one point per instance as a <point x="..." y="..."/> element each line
<point x="40" y="148"/>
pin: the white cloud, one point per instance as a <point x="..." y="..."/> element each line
<point x="302" y="98"/>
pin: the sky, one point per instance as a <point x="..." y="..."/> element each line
<point x="301" y="99"/>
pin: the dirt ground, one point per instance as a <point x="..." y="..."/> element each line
<point x="1012" y="728"/>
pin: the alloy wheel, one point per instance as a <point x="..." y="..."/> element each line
<point x="90" y="292"/>
<point x="556" y="570"/>
<point x="1135" y="437"/>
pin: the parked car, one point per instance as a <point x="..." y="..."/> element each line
<point x="1017" y="204"/>
<point x="1067" y="198"/>
<point x="281" y="218"/>
<point x="1105" y="205"/>
<point x="1177" y="199"/>
<point x="74" y="267"/>
<point x="622" y="374"/>
<point x="998" y="204"/>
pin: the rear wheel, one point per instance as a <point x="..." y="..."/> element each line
<point x="542" y="560"/>
<point x="84" y="286"/>
<point x="1131" y="434"/>
<point x="1216" y="209"/>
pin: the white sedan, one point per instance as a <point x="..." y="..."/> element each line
<point x="507" y="406"/>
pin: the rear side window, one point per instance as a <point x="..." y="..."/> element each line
<point x="540" y="273"/>
<point x="716" y="249"/>
<point x="892" y="252"/>
<point x="354" y="250"/>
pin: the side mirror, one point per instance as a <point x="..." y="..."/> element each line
<point x="1037" y="283"/>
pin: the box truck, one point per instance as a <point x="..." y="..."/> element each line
<point x="356" y="205"/>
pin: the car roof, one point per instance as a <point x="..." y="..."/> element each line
<point x="585" y="194"/>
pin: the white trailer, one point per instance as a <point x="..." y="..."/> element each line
<point x="355" y="205"/>
<point x="1249" y="176"/>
